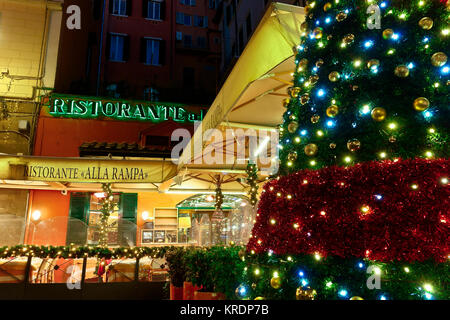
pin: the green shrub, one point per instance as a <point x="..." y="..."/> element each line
<point x="175" y="258"/>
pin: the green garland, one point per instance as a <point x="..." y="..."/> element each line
<point x="73" y="252"/>
<point x="252" y="177"/>
<point x="219" y="198"/>
<point x="107" y="208"/>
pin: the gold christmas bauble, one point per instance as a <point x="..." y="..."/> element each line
<point x="305" y="294"/>
<point x="303" y="62"/>
<point x="241" y="254"/>
<point x="349" y="38"/>
<point x="421" y="104"/>
<point x="315" y="118"/>
<point x="319" y="63"/>
<point x="378" y="114"/>
<point x="295" y="91"/>
<point x="341" y="16"/>
<point x="327" y="6"/>
<point x="439" y="59"/>
<point x="353" y="145"/>
<point x="401" y="71"/>
<point x="286" y="102"/>
<point x="292" y="117"/>
<point x="259" y="298"/>
<point x="334" y="76"/>
<point x="318" y="33"/>
<point x="392" y="139"/>
<point x="356" y="298"/>
<point x="332" y="111"/>
<point x="373" y="63"/>
<point x="332" y="145"/>
<point x="329" y="37"/>
<point x="253" y="286"/>
<point x="304" y="26"/>
<point x="313" y="79"/>
<point x="426" y="23"/>
<point x="292" y="126"/>
<point x="292" y="156"/>
<point x="387" y="33"/>
<point x="311" y="149"/>
<point x="275" y="282"/>
<point x="304" y="99"/>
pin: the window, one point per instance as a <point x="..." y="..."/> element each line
<point x="212" y="4"/>
<point x="179" y="35"/>
<point x="188" y="2"/>
<point x="187" y="20"/>
<point x="198" y="21"/>
<point x="201" y="42"/>
<point x="117" y="47"/>
<point x="95" y="217"/>
<point x="249" y="25"/>
<point x="180" y="18"/>
<point x="187" y="41"/>
<point x="152" y="51"/>
<point x="153" y="10"/>
<point x="119" y="7"/>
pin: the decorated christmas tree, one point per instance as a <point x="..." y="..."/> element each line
<point x="360" y="209"/>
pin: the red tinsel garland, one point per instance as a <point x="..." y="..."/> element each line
<point x="385" y="211"/>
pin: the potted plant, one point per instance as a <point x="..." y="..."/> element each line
<point x="227" y="270"/>
<point x="188" y="287"/>
<point x="177" y="271"/>
<point x="200" y="273"/>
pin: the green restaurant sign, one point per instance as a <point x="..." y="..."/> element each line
<point x="95" y="108"/>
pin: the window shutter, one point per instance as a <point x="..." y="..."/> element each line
<point x="127" y="223"/>
<point x="145" y="8"/>
<point x="162" y="52"/>
<point x="126" y="48"/>
<point x="79" y="208"/>
<point x="129" y="8"/>
<point x="111" y="6"/>
<point x="143" y="57"/>
<point x="163" y="10"/>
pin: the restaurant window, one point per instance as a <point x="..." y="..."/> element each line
<point x="85" y="210"/>
<point x="118" y="47"/>
<point x="153" y="10"/>
<point x="120" y="7"/>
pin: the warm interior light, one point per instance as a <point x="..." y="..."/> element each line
<point x="99" y="195"/>
<point x="36" y="215"/>
<point x="145" y="215"/>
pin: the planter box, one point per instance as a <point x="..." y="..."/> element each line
<point x="176" y="293"/>
<point x="188" y="290"/>
<point x="199" y="295"/>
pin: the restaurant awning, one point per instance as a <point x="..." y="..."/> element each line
<point x="252" y="95"/>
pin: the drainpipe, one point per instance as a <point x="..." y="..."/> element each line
<point x="101" y="49"/>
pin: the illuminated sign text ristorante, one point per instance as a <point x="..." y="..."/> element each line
<point x="90" y="108"/>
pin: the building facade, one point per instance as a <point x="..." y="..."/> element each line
<point x="29" y="33"/>
<point x="238" y="20"/>
<point x="145" y="50"/>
